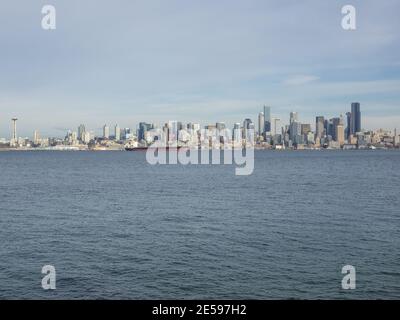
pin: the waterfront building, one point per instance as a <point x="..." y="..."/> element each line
<point x="332" y="144"/>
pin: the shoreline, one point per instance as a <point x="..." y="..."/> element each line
<point x="123" y="150"/>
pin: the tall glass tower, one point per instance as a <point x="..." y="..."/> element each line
<point x="294" y="117"/>
<point x="81" y="131"/>
<point x="319" y="126"/>
<point x="261" y="123"/>
<point x="348" y="129"/>
<point x="355" y="118"/>
<point x="267" y="119"/>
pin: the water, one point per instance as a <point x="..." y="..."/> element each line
<point x="115" y="227"/>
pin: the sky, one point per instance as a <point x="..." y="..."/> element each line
<point x="128" y="61"/>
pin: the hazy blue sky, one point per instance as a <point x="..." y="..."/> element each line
<point x="195" y="60"/>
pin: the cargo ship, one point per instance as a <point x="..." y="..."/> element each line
<point x="136" y="148"/>
<point x="130" y="148"/>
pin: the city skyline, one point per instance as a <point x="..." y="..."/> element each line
<point x="51" y="130"/>
<point x="268" y="124"/>
<point x="160" y="61"/>
<point x="339" y="132"/>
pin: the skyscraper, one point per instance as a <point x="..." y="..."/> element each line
<point x="267" y="120"/>
<point x="173" y="130"/>
<point x="326" y="126"/>
<point x="319" y="126"/>
<point x="276" y="120"/>
<point x="14" y="130"/>
<point x="294" y="117"/>
<point x="305" y="128"/>
<point x="36" y="137"/>
<point x="348" y="129"/>
<point x="86" y="137"/>
<point x="117" y="133"/>
<point x="127" y="133"/>
<point x="220" y="126"/>
<point x="81" y="132"/>
<point x="295" y="131"/>
<point x="261" y="123"/>
<point x="355" y="118"/>
<point x="143" y="128"/>
<point x="340" y="134"/>
<point x="196" y="126"/>
<point x="248" y="130"/>
<point x="329" y="128"/>
<point x="106" y="132"/>
<point x="335" y="123"/>
<point x="237" y="134"/>
<point x="248" y="124"/>
<point x="396" y="139"/>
